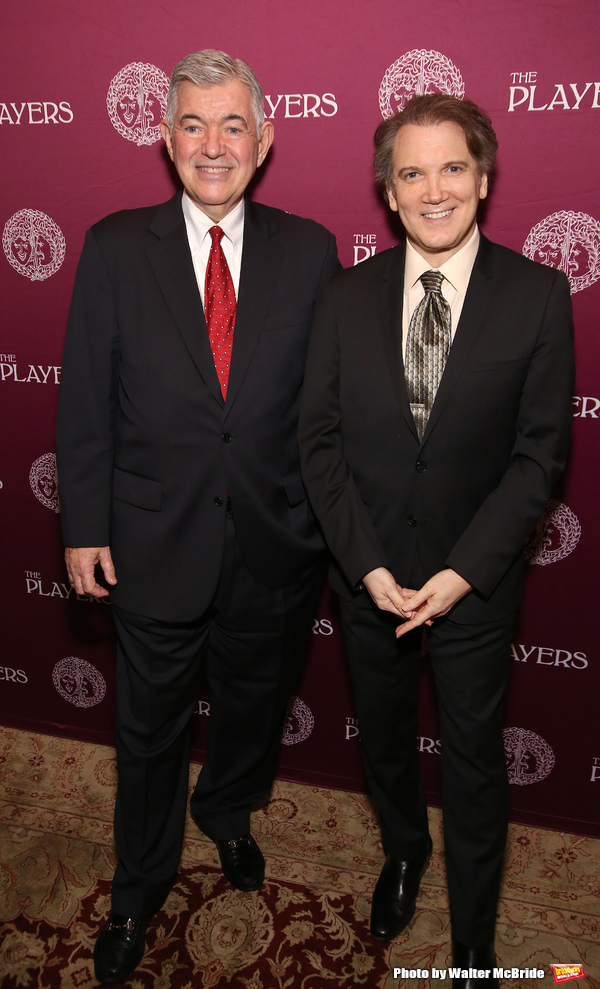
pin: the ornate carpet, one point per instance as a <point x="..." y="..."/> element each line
<point x="307" y="928"/>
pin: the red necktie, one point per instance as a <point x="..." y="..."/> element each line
<point x="219" y="307"/>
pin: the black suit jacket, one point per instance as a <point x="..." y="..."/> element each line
<point x="469" y="494"/>
<point x="147" y="448"/>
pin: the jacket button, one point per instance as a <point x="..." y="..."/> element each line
<point x="218" y="502"/>
<point x="226" y="437"/>
<point x="412" y="520"/>
<point x="421" y="466"/>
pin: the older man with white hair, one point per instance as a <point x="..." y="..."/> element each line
<point x="180" y="481"/>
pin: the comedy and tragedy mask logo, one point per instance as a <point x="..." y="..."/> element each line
<point x="78" y="682"/>
<point x="33" y="244"/>
<point x="529" y="758"/>
<point x="300" y="723"/>
<point x="44" y="481"/>
<point x="570" y="242"/>
<point x="415" y="73"/>
<point x="555" y="537"/>
<point x="137" y="101"/>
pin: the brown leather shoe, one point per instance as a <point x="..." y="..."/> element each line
<point x="395" y="895"/>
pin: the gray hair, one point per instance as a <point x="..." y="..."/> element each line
<point x="214" y="68"/>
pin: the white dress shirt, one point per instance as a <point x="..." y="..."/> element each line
<point x="197" y="225"/>
<point x="456" y="271"/>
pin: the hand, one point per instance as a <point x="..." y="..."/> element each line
<point x="81" y="561"/>
<point x="435" y="599"/>
<point x="386" y="593"/>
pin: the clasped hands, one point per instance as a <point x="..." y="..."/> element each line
<point x="435" y="598"/>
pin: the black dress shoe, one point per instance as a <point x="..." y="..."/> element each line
<point x="395" y="895"/>
<point x="242" y="862"/>
<point x="119" y="948"/>
<point x="476" y="964"/>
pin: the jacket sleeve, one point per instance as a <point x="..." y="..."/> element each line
<point x="85" y="425"/>
<point x="335" y="498"/>
<point x="500" y="528"/>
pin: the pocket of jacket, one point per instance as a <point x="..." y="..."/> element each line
<point x="133" y="489"/>
<point x="292" y="317"/>
<point x="294" y="488"/>
<point x="500" y="365"/>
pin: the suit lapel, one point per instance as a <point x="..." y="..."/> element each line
<point x="261" y="259"/>
<point x="173" y="267"/>
<point x="473" y="315"/>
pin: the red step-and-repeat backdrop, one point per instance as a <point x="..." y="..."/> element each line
<point x="83" y="89"/>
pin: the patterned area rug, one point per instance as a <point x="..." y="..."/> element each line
<point x="307" y="928"/>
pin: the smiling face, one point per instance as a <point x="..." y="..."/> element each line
<point x="435" y="189"/>
<point x="214" y="144"/>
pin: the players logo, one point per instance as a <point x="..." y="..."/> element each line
<point x="570" y="242"/>
<point x="78" y="682"/>
<point x="415" y="73"/>
<point x="529" y="758"/>
<point x="556" y="535"/>
<point x="33" y="244"/>
<point x="300" y="723"/>
<point x="137" y="101"/>
<point x="44" y="481"/>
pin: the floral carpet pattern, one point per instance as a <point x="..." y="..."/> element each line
<point x="306" y="928"/>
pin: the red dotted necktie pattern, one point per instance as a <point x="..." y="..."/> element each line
<point x="219" y="307"/>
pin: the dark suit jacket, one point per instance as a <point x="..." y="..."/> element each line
<point x="468" y="496"/>
<point x="147" y="448"/>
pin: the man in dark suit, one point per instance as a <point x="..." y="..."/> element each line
<point x="179" y="476"/>
<point x="434" y="421"/>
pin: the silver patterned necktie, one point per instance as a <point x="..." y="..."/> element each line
<point x="427" y="348"/>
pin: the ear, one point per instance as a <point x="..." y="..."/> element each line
<point x="391" y="198"/>
<point x="483" y="186"/>
<point x="265" y="141"/>
<point x="165" y="131"/>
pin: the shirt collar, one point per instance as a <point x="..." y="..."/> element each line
<point x="232" y="224"/>
<point x="457" y="269"/>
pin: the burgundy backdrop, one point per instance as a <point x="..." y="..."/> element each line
<point x="82" y="92"/>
